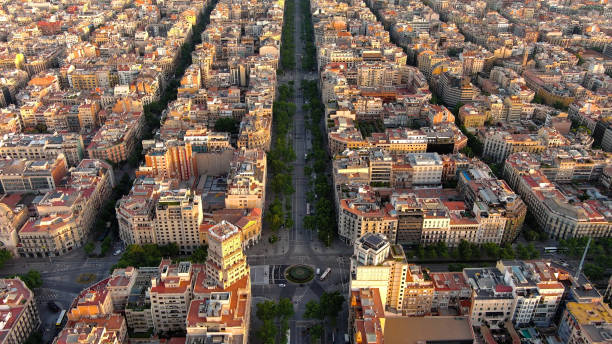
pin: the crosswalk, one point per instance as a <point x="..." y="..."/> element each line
<point x="44" y="295"/>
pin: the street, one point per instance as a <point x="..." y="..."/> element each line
<point x="60" y="284"/>
<point x="298" y="245"/>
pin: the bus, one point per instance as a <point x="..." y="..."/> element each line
<point x="307" y="208"/>
<point x="325" y="273"/>
<point x="288" y="335"/>
<point x="551" y="249"/>
<point x="60" y="320"/>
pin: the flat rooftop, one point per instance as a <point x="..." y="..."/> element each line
<point x="413" y="330"/>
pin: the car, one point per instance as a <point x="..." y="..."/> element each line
<point x="53" y="306"/>
<point x="282" y="285"/>
<point x="118" y="252"/>
<point x="318" y="271"/>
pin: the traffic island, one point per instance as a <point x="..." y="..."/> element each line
<point x="299" y="273"/>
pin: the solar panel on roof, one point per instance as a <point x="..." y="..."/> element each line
<point x="374" y="241"/>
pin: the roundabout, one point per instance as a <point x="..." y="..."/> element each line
<point x="299" y="273"/>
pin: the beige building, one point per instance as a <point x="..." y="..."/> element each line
<point x="493" y="302"/>
<point x="246" y="182"/>
<point x="13" y="215"/>
<point x="357" y="217"/>
<point x="403" y="288"/>
<point x="426" y="168"/>
<point x="178" y="215"/>
<point x="498" y="145"/>
<point x="559" y="215"/>
<point x="42" y="146"/>
<point x="586" y="323"/>
<point x="221" y="307"/>
<point x="170" y="295"/>
<point x="51" y="235"/>
<point x="18" y="311"/>
<point x="226" y="262"/>
<point x="370" y="249"/>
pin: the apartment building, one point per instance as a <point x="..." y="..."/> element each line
<point x="368" y="323"/>
<point x="341" y="140"/>
<point x="357" y="217"/>
<point x="13" y="215"/>
<point x="222" y="292"/>
<point x="538" y="291"/>
<point x="366" y="316"/>
<point x="499" y="211"/>
<point x="564" y="164"/>
<point x="551" y="290"/>
<point x="380" y="167"/>
<point x="69" y="214"/>
<point x="136" y="211"/>
<point x="51" y="235"/>
<point x="167" y="159"/>
<point x="556" y="213"/>
<point x="402" y="286"/>
<point x="472" y="116"/>
<point x="19" y="314"/>
<point x="42" y="146"/>
<point x="499" y="144"/>
<point x="400" y="140"/>
<point x="178" y="215"/>
<point x="137" y="310"/>
<point x="92" y="302"/>
<point x="370" y="249"/>
<point x="227" y="263"/>
<point x="116" y="139"/>
<point x="409" y="220"/>
<point x="110" y="328"/>
<point x="93" y="174"/>
<point x="120" y="285"/>
<point x="492" y="301"/>
<point x="41" y="175"/>
<point x="456" y="88"/>
<point x="426" y="168"/>
<point x="255" y="132"/>
<point x="170" y="294"/>
<point x="587" y="323"/>
<point x="81" y="79"/>
<point x="246" y="181"/>
<point x="527" y="294"/>
<point x="450" y="289"/>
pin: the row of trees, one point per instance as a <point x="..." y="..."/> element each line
<point x="280" y="158"/>
<point x="274" y="314"/>
<point x="152" y="113"/>
<point x="32" y="279"/>
<point x="5" y="256"/>
<point x="326" y="311"/>
<point x="152" y="254"/>
<point x="323" y="220"/>
<point x="599" y="257"/>
<point x="309" y="60"/>
<point x="467" y="251"/>
<point x="287" y="52"/>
